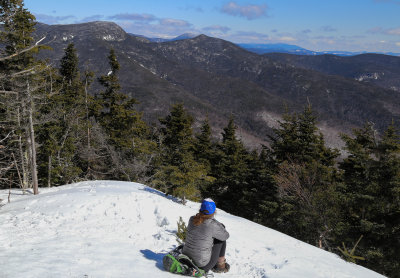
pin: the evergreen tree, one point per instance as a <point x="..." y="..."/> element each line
<point x="21" y="83"/>
<point x="16" y="35"/>
<point x="62" y="135"/>
<point x="203" y="146"/>
<point x="181" y="232"/>
<point x="179" y="174"/>
<point x="204" y="152"/>
<point x="371" y="176"/>
<point x="305" y="178"/>
<point x="69" y="65"/>
<point x="389" y="203"/>
<point x="118" y="116"/>
<point x="127" y="134"/>
<point x="230" y="170"/>
<point x="298" y="139"/>
<point x="261" y="195"/>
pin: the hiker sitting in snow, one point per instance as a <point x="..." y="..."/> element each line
<point x="205" y="241"/>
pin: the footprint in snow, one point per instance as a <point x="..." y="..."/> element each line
<point x="281" y="265"/>
<point x="161" y="222"/>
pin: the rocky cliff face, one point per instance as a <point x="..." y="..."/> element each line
<point x="101" y="30"/>
<point x="218" y="78"/>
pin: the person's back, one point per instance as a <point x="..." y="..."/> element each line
<point x="205" y="241"/>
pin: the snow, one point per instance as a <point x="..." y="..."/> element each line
<point x="123" y="229"/>
<point x="109" y="38"/>
<point x="367" y="76"/>
<point x="68" y="37"/>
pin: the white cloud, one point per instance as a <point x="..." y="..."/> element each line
<point x="153" y="27"/>
<point x="134" y="17"/>
<point x="50" y="19"/>
<point x="247" y="37"/>
<point x="395" y="32"/>
<point x="220" y="28"/>
<point x="92" y="18"/>
<point x="397" y="43"/>
<point x="249" y="11"/>
<point x="380" y="30"/>
<point x="287" y="39"/>
<point x="328" y="28"/>
<point x="164" y="28"/>
<point x="174" y="22"/>
<point x="375" y="30"/>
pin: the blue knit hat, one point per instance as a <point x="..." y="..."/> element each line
<point x="207" y="206"/>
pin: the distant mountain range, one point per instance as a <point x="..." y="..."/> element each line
<point x="294" y="49"/>
<point x="218" y="78"/>
<point x="272" y="47"/>
<point x="184" y="36"/>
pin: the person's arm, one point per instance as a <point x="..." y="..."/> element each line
<point x="219" y="231"/>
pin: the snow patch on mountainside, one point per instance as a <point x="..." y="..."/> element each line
<point x="367" y="76"/>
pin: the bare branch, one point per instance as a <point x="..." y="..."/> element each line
<point x="1" y="140"/>
<point x="8" y="92"/>
<point x="22" y="72"/>
<point x="22" y="51"/>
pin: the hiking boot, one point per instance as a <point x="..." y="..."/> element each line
<point x="222" y="266"/>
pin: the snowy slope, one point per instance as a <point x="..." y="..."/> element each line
<point x="121" y="229"/>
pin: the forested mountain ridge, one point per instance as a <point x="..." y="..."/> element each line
<point x="378" y="69"/>
<point x="218" y="78"/>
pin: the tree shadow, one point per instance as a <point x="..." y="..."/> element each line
<point x="17" y="191"/>
<point x="162" y="194"/>
<point x="157" y="257"/>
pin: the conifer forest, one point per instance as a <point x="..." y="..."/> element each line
<point x="54" y="131"/>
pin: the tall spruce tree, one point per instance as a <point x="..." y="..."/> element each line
<point x="62" y="135"/>
<point x="204" y="152"/>
<point x="179" y="174"/>
<point x="261" y="196"/>
<point x="230" y="170"/>
<point x="305" y="178"/>
<point x="69" y="65"/>
<point x="118" y="116"/>
<point x="203" y="146"/>
<point x="127" y="134"/>
<point x="389" y="207"/>
<point x="371" y="176"/>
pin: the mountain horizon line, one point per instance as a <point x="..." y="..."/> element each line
<point x="258" y="48"/>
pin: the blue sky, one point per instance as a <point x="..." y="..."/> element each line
<point x="348" y="25"/>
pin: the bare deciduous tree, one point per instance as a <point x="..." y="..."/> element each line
<point x="301" y="182"/>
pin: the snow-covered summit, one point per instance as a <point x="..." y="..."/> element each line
<point x="122" y="229"/>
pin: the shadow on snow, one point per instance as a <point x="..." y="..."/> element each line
<point x="157" y="257"/>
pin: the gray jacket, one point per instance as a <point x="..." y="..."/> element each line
<point x="199" y="240"/>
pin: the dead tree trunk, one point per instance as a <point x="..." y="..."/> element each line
<point x="21" y="154"/>
<point x="32" y="142"/>
<point x="19" y="174"/>
<point x="87" y="125"/>
<point x="49" y="173"/>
